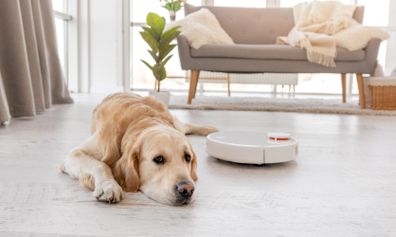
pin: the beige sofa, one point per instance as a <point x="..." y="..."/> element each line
<point x="254" y="31"/>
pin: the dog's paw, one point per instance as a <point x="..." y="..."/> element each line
<point x="108" y="191"/>
<point x="62" y="168"/>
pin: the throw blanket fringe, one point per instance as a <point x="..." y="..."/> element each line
<point x="321" y="59"/>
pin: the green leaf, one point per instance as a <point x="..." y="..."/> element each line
<point x="173" y="6"/>
<point x="150" y="40"/>
<point x="165" y="50"/>
<point x="168" y="7"/>
<point x="162" y="73"/>
<point x="177" y="6"/>
<point x="159" y="72"/>
<point x="153" y="55"/>
<point x="152" y="32"/>
<point x="156" y="71"/>
<point x="156" y="22"/>
<point x="169" y="35"/>
<point x="152" y="18"/>
<point x="147" y="64"/>
<point x="166" y="60"/>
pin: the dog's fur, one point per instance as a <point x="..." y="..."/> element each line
<point x="128" y="132"/>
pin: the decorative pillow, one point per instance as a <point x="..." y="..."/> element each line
<point x="202" y="27"/>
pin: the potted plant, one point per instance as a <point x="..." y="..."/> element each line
<point x="160" y="42"/>
<point x="173" y="6"/>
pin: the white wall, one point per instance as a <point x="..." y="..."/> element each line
<point x="105" y="42"/>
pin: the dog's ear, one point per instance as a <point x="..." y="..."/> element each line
<point x="126" y="170"/>
<point x="193" y="171"/>
<point x="132" y="180"/>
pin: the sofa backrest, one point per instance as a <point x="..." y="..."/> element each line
<point x="256" y="25"/>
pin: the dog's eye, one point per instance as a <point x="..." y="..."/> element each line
<point x="159" y="159"/>
<point x="187" y="157"/>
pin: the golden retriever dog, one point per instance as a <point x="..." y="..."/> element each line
<point x="136" y="144"/>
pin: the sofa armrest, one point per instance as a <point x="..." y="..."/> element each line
<point x="184" y="52"/>
<point x="372" y="49"/>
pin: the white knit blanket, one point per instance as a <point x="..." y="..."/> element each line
<point x="322" y="26"/>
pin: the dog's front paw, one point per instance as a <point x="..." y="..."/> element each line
<point x="108" y="191"/>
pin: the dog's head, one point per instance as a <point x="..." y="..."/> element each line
<point x="162" y="164"/>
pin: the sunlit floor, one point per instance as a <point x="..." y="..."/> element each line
<point x="343" y="183"/>
<point x="280" y="94"/>
<point x="309" y="85"/>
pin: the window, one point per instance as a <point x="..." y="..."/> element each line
<point x="141" y="77"/>
<point x="309" y="84"/>
<point x="376" y="13"/>
<point x="60" y="37"/>
<point x="240" y="3"/>
<point x="62" y="19"/>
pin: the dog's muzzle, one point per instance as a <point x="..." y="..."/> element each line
<point x="184" y="191"/>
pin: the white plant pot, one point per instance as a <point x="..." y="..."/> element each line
<point x="172" y="15"/>
<point x="163" y="96"/>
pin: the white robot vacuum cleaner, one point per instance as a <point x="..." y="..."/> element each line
<point x="252" y="147"/>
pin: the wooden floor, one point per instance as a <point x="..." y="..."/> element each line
<point x="343" y="183"/>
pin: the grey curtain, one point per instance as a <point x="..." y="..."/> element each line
<point x="31" y="77"/>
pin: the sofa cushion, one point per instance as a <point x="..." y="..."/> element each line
<point x="202" y="27"/>
<point x="267" y="51"/>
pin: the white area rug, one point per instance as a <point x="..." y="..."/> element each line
<point x="330" y="106"/>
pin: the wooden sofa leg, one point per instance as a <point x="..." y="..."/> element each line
<point x="343" y="85"/>
<point x="228" y="85"/>
<point x="362" y="98"/>
<point x="193" y="85"/>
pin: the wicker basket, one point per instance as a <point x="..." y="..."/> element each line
<point x="383" y="93"/>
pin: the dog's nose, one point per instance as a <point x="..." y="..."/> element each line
<point x="184" y="189"/>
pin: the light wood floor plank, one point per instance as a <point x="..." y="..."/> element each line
<point x="343" y="183"/>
